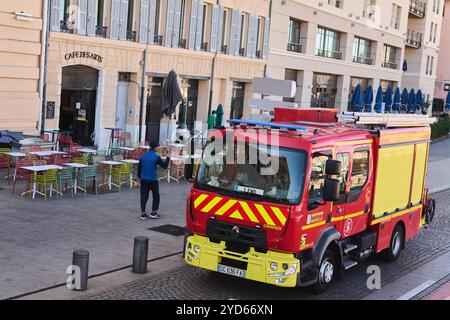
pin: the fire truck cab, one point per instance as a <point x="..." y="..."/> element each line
<point x="343" y="190"/>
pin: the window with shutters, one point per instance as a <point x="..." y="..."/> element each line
<point x="258" y="39"/>
<point x="182" y="36"/>
<point x="64" y="16"/>
<point x="158" y="18"/>
<point x="204" y="44"/>
<point x="226" y="26"/>
<point x="131" y="33"/>
<point x="242" y="41"/>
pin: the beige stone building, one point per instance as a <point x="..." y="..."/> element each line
<point x="442" y="86"/>
<point x="330" y="46"/>
<point x="96" y="61"/>
<point x="20" y="60"/>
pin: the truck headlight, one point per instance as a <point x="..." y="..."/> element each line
<point x="197" y="249"/>
<point x="291" y="269"/>
<point x="274" y="266"/>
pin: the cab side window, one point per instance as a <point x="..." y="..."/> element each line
<point x="344" y="158"/>
<point x="360" y="170"/>
<point x="317" y="181"/>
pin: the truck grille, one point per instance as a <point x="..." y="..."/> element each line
<point x="238" y="238"/>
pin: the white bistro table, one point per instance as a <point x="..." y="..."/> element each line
<point x="46" y="153"/>
<point x="110" y="164"/>
<point x="77" y="167"/>
<point x="87" y="150"/>
<point x="126" y="149"/>
<point x="13" y="156"/>
<point x="35" y="170"/>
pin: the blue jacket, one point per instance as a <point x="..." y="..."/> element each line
<point x="148" y="165"/>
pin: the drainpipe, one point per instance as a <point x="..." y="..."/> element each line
<point x="213" y="72"/>
<point x="44" y="62"/>
<point x="141" y="108"/>
<point x="270" y="17"/>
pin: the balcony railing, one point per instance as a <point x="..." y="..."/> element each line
<point x="65" y="26"/>
<point x="182" y="43"/>
<point x="329" y="54"/>
<point x="258" y="54"/>
<point x="204" y="46"/>
<point x="101" y="31"/>
<point x="131" y="35"/>
<point x="414" y="39"/>
<point x="363" y="60"/>
<point x="242" y="52"/>
<point x="389" y="64"/>
<point x="417" y="8"/>
<point x="294" y="47"/>
<point x="224" y="49"/>
<point x="158" y="40"/>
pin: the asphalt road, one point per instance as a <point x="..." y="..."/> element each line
<point x="195" y="284"/>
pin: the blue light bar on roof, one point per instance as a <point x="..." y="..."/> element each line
<point x="268" y="124"/>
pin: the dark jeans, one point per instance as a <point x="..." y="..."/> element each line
<point x="146" y="187"/>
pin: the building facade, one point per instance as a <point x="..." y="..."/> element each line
<point x="103" y="54"/>
<point x="422" y="46"/>
<point x="442" y="86"/>
<point x="21" y="58"/>
<point x="329" y="47"/>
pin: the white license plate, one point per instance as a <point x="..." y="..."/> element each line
<point x="231" y="271"/>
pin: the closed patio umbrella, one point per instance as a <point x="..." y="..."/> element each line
<point x="419" y="100"/>
<point x="357" y="99"/>
<point x="368" y="99"/>
<point x="388" y="100"/>
<point x="447" y="102"/>
<point x="219" y="117"/>
<point x="404" y="100"/>
<point x="171" y="95"/>
<point x="412" y="101"/>
<point x="379" y="100"/>
<point x="397" y="105"/>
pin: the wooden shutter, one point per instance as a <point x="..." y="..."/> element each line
<point x="214" y="29"/>
<point x="151" y="21"/>
<point x="169" y="22"/>
<point x="123" y="20"/>
<point x="54" y="15"/>
<point x="252" y="36"/>
<point x="82" y="17"/>
<point x="143" y="24"/>
<point x="193" y="24"/>
<point x="199" y="31"/>
<point x="266" y="38"/>
<point x="238" y="33"/>
<point x="176" y="24"/>
<point x="220" y="29"/>
<point x="92" y="17"/>
<point x="115" y="18"/>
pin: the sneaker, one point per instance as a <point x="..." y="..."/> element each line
<point x="154" y="216"/>
<point x="144" y="216"/>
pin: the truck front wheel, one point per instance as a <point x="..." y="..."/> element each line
<point x="395" y="246"/>
<point x="326" y="273"/>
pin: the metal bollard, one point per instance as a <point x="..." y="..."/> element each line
<point x="81" y="259"/>
<point x="140" y="255"/>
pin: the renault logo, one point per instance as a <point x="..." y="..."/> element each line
<point x="235" y="230"/>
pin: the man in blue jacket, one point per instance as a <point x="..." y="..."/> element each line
<point x="148" y="174"/>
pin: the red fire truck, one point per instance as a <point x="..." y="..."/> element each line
<point x="346" y="186"/>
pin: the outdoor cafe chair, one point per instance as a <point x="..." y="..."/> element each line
<point x="5" y="150"/>
<point x="22" y="174"/>
<point x="122" y="175"/>
<point x="84" y="159"/>
<point x="49" y="181"/>
<point x="87" y="175"/>
<point x="39" y="162"/>
<point x="66" y="181"/>
<point x="35" y="148"/>
<point x="117" y="157"/>
<point x="5" y="162"/>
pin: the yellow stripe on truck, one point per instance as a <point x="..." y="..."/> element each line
<point x="226" y="207"/>
<point x="248" y="211"/>
<point x="199" y="200"/>
<point x="279" y="215"/>
<point x="211" y="204"/>
<point x="264" y="214"/>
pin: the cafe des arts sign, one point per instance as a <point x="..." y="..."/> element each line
<point x="83" y="55"/>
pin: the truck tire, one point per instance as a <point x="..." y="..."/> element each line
<point x="395" y="245"/>
<point x="326" y="272"/>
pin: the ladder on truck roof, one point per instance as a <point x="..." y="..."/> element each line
<point x="387" y="120"/>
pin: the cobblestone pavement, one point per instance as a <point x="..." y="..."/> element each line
<point x="192" y="284"/>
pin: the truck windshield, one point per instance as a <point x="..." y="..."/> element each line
<point x="247" y="177"/>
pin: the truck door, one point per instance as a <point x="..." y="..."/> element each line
<point x="359" y="188"/>
<point x="317" y="209"/>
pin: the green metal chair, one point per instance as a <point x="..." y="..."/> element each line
<point x="87" y="175"/>
<point x="122" y="175"/>
<point x="48" y="180"/>
<point x="65" y="178"/>
<point x="84" y="159"/>
<point x="5" y="150"/>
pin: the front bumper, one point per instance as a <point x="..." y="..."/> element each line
<point x="208" y="255"/>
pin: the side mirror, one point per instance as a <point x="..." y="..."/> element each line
<point x="331" y="189"/>
<point x="333" y="167"/>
